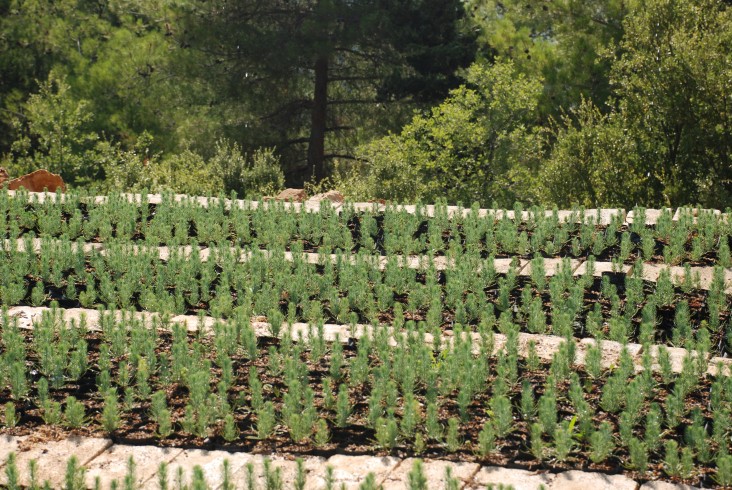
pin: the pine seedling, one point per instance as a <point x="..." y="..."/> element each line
<point x="329" y="400"/>
<point x="75" y="413"/>
<point x="226" y="483"/>
<point x="369" y="483"/>
<point x="336" y="359"/>
<point x="161" y="414"/>
<point x="265" y="420"/>
<point x="601" y="443"/>
<point x="638" y="454"/>
<point x="537" y="443"/>
<point x="451" y="482"/>
<point x="410" y="416"/>
<point x="272" y="478"/>
<point x="664" y="363"/>
<point x="625" y="426"/>
<point x="322" y="433"/>
<point x="724" y="470"/>
<point x="538" y="272"/>
<point x="464" y="398"/>
<point x="250" y="476"/>
<point x="38" y="294"/>
<point x="18" y="381"/>
<point x="51" y="412"/>
<point x="255" y="385"/>
<point x="419" y="443"/>
<point x="416" y="479"/>
<point x="343" y="406"/>
<point x="502" y="415"/>
<point x="671" y="459"/>
<point x="387" y="433"/>
<point x="686" y="466"/>
<point x="563" y="442"/>
<point x="74" y="478"/>
<point x="198" y="481"/>
<point x="681" y="332"/>
<point x="486" y="440"/>
<point x="722" y="421"/>
<point x="11" y="473"/>
<point x="433" y="426"/>
<point x="110" y="417"/>
<point x="532" y="359"/>
<point x="452" y="439"/>
<point x="10" y="416"/>
<point x="674" y="406"/>
<point x="664" y="294"/>
<point x="163" y="476"/>
<point x="612" y="393"/>
<point x="697" y="438"/>
<point x="130" y="480"/>
<point x="528" y="405"/>
<point x="548" y="412"/>
<point x="653" y="427"/>
<point x="33" y="472"/>
<point x="230" y="432"/>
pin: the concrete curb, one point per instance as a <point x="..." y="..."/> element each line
<point x="109" y="462"/>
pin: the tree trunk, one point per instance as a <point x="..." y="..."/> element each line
<point x="316" y="147"/>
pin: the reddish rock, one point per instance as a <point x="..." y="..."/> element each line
<point x="332" y="196"/>
<point x="38" y="181"/>
<point x="295" y="195"/>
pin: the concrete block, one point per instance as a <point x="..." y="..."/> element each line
<point x="434" y="470"/>
<point x="519" y="479"/>
<point x="579" y="480"/>
<point x="211" y="462"/>
<point x="352" y="470"/>
<point x="112" y="463"/>
<point x="664" y="485"/>
<point x="52" y="458"/>
<point x="10" y="444"/>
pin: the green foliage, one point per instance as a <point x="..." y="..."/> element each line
<point x="594" y="162"/>
<point x="670" y="77"/>
<point x="110" y="417"/>
<point x="249" y="177"/>
<point x="470" y="148"/>
<point x="53" y="133"/>
<point x="74" y="476"/>
<point x="265" y="420"/>
<point x="387" y="433"/>
<point x="416" y="479"/>
<point x="11" y="472"/>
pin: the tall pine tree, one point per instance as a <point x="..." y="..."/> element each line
<point x="305" y="72"/>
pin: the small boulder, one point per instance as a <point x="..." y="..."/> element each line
<point x="332" y="196"/>
<point x="295" y="195"/>
<point x="38" y="181"/>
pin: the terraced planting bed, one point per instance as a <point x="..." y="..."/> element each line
<point x="527" y="347"/>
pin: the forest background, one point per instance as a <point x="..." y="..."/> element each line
<point x="554" y="102"/>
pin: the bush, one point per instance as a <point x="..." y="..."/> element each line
<point x="475" y="146"/>
<point x="256" y="176"/>
<point x="188" y="172"/>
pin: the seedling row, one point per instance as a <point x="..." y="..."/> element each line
<point x="472" y="294"/>
<point x="234" y="391"/>
<point x="698" y="240"/>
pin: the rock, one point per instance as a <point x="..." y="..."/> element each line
<point x="294" y="195"/>
<point x="38" y="181"/>
<point x="332" y="196"/>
